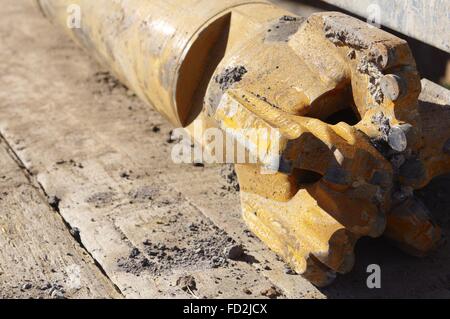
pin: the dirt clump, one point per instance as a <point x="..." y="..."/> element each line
<point x="234" y="252"/>
<point x="142" y="194"/>
<point x="187" y="283"/>
<point x="230" y="76"/>
<point x="204" y="249"/>
<point x="229" y="174"/>
<point x="272" y="293"/>
<point x="54" y="201"/>
<point x="107" y="80"/>
<point x="101" y="199"/>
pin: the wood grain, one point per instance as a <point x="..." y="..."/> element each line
<point x="38" y="256"/>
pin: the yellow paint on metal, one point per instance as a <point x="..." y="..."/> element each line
<point x="244" y="65"/>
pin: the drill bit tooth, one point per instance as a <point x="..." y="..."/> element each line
<point x="319" y="274"/>
<point x="294" y="227"/>
<point x="411" y="227"/>
<point x="361" y="217"/>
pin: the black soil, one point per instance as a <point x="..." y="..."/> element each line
<point x="230" y="76"/>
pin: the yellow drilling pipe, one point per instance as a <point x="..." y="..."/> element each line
<point x="162" y="49"/>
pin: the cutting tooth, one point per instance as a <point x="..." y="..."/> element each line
<point x="319" y="274"/>
<point x="360" y="216"/>
<point x="297" y="228"/>
<point x="411" y="227"/>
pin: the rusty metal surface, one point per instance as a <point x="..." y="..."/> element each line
<point x="239" y="65"/>
<point x="425" y="20"/>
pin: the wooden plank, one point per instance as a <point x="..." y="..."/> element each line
<point x="104" y="154"/>
<point x="69" y="124"/>
<point x="38" y="256"/>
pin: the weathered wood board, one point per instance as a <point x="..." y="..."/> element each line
<point x="38" y="257"/>
<point x="147" y="222"/>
